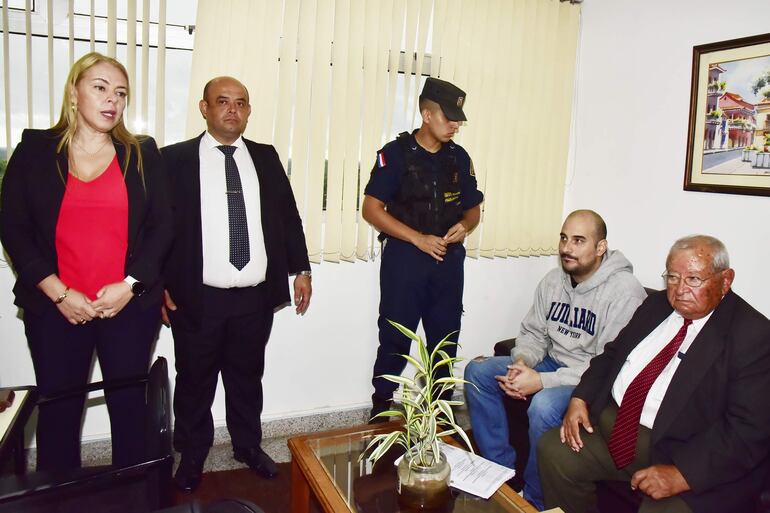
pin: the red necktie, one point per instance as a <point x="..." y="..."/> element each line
<point x="622" y="444"/>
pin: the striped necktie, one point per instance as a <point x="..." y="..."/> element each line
<point x="622" y="444"/>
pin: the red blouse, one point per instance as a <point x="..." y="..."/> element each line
<point x="92" y="231"/>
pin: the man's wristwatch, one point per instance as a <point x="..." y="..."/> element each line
<point x="308" y="273"/>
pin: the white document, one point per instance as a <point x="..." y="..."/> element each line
<point x="473" y="474"/>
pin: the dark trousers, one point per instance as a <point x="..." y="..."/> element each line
<point x="62" y="355"/>
<point x="414" y="287"/>
<point x="569" y="477"/>
<point x="230" y="339"/>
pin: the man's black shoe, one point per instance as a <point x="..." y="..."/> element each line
<point x="189" y="473"/>
<point x="257" y="460"/>
<point x="379" y="405"/>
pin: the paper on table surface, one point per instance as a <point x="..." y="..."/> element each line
<point x="473" y="474"/>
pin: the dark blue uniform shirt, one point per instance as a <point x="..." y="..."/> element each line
<point x="390" y="166"/>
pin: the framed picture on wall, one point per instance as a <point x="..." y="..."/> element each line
<point x="728" y="143"/>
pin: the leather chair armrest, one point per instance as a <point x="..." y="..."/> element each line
<point x="503" y="348"/>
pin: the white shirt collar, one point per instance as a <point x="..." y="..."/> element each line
<point x="697" y="324"/>
<point x="211" y="143"/>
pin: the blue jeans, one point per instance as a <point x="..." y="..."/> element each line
<point x="490" y="423"/>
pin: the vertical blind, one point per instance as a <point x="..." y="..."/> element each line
<point x="53" y="12"/>
<point x="327" y="79"/>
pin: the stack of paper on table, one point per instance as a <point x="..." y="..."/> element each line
<point x="473" y="474"/>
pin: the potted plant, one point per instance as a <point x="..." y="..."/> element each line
<point x="423" y="472"/>
<point x="746" y="156"/>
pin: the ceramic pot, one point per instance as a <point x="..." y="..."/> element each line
<point x="423" y="488"/>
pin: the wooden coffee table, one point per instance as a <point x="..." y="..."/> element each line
<point x="327" y="464"/>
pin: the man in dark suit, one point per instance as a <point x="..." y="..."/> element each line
<point x="678" y="404"/>
<point x="237" y="238"/>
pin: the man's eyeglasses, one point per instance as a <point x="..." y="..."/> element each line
<point x="690" y="281"/>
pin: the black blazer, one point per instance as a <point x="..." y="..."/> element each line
<point x="33" y="189"/>
<point x="714" y="421"/>
<point x="281" y="226"/>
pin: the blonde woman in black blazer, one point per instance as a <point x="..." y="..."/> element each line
<point x="65" y="325"/>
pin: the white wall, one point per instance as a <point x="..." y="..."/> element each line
<point x="322" y="361"/>
<point x="633" y="98"/>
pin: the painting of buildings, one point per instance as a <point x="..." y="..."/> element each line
<point x="736" y="134"/>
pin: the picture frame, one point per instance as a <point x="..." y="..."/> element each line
<point x="728" y="142"/>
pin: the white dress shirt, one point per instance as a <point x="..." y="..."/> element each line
<point x="645" y="352"/>
<point x="215" y="231"/>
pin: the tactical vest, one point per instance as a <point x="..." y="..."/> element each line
<point x="428" y="199"/>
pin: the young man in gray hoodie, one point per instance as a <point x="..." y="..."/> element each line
<point x="578" y="308"/>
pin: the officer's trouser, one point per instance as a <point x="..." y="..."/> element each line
<point x="413" y="287"/>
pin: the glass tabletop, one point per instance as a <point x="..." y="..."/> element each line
<point x="372" y="489"/>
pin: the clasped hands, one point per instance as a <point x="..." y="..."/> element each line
<point x="520" y="381"/>
<point x="436" y="246"/>
<point x="110" y="300"/>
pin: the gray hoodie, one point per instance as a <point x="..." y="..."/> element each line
<point x="572" y="325"/>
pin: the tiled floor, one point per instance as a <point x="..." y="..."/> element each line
<point x="272" y="495"/>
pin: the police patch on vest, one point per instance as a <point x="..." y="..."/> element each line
<point x="451" y="197"/>
<point x="455" y="178"/>
<point x="473" y="171"/>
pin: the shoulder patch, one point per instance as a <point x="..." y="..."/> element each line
<point x="381" y="159"/>
<point x="473" y="171"/>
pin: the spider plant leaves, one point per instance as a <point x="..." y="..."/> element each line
<point x="425" y="412"/>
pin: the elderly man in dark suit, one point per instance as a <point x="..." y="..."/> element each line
<point x="237" y="238"/>
<point x="678" y="404"/>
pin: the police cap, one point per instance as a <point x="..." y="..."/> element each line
<point x="450" y="97"/>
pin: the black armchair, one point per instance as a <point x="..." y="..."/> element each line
<point x="140" y="488"/>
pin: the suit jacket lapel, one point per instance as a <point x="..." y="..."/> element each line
<point x="706" y="348"/>
<point x="259" y="165"/>
<point x="267" y="215"/>
<point x="134" y="191"/>
<point x="659" y="310"/>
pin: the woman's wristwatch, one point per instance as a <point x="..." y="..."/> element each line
<point x="137" y="287"/>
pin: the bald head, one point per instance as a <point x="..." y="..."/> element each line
<point x="230" y="81"/>
<point x="598" y="224"/>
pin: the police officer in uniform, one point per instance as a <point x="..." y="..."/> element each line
<point x="423" y="199"/>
